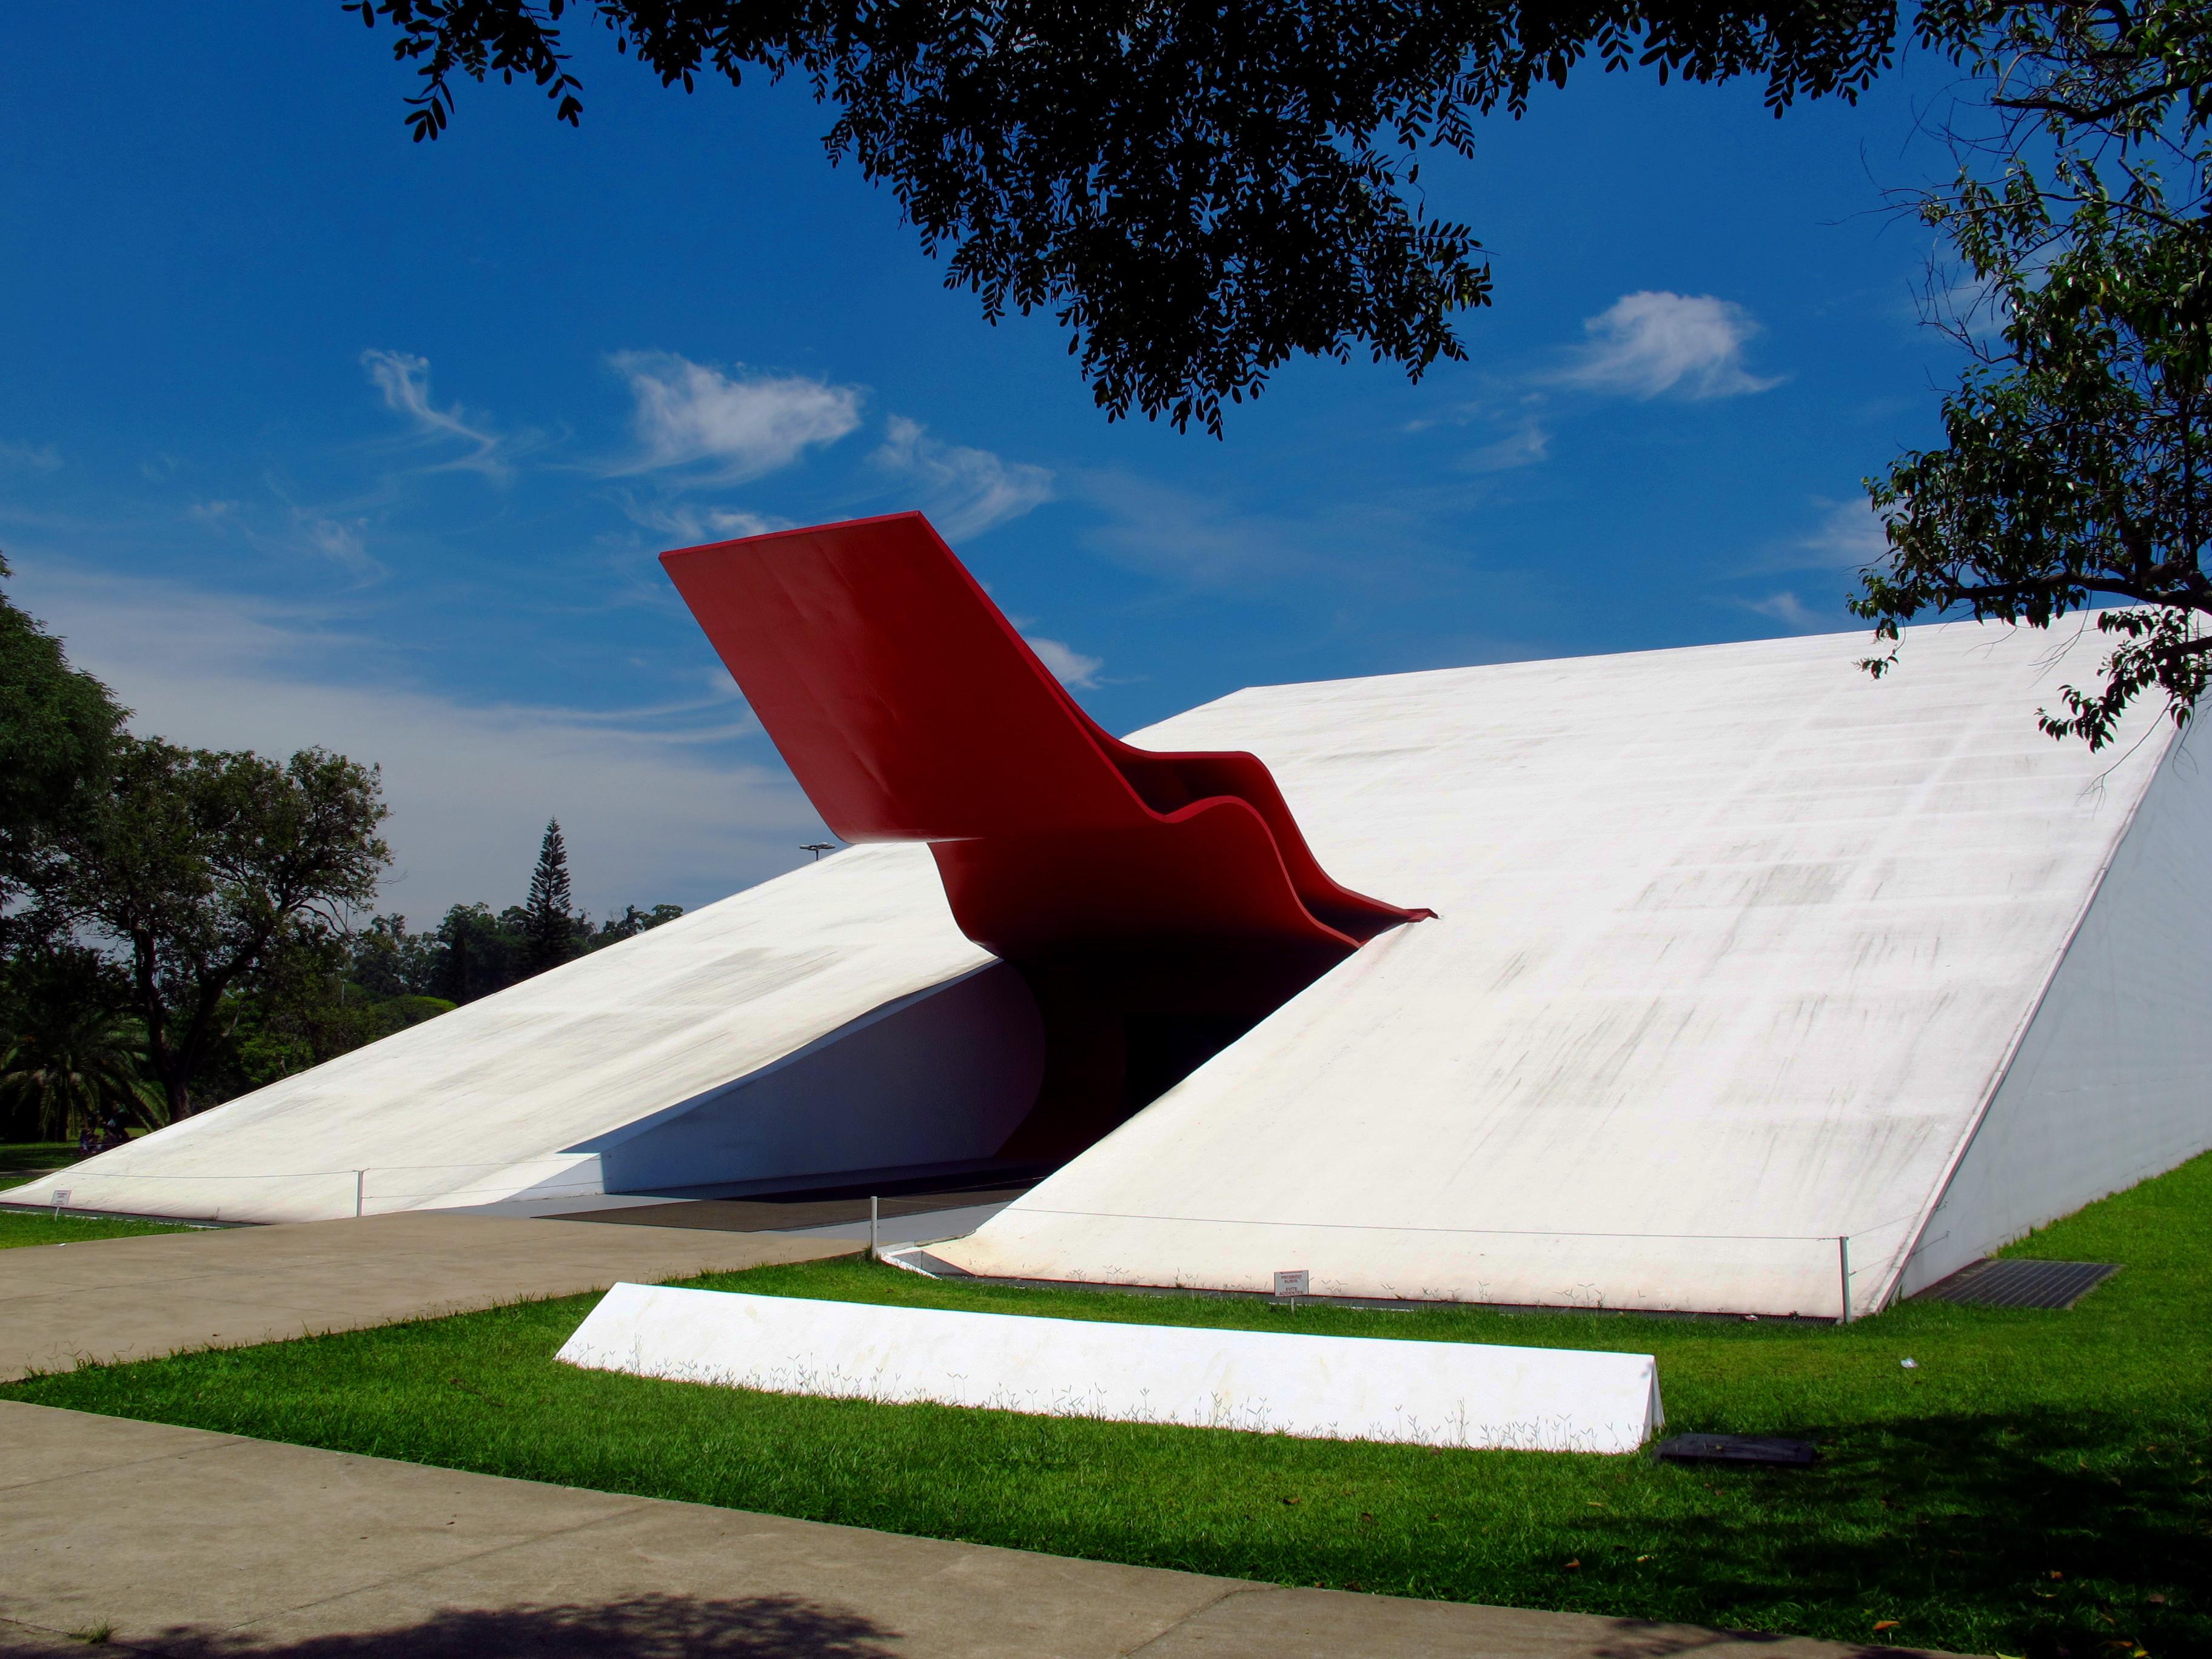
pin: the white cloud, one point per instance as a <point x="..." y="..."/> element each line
<point x="966" y="491"/>
<point x="1851" y="533"/>
<point x="1647" y="344"/>
<point x="404" y="380"/>
<point x="1071" y="667"/>
<point x="657" y="803"/>
<point x="1791" y="613"/>
<point x="343" y="543"/>
<point x="686" y="525"/>
<point x="731" y="427"/>
<point x="1527" y="445"/>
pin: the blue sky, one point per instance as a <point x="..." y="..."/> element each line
<point x="312" y="435"/>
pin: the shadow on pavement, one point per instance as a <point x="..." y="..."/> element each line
<point x="645" y="1626"/>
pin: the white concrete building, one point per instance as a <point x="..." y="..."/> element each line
<point x="1739" y="952"/>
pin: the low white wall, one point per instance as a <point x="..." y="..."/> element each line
<point x="1329" y="1388"/>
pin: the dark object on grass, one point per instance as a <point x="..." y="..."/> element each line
<point x="1734" y="1449"/>
<point x="2017" y="1283"/>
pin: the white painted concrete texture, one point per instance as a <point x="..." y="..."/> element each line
<point x="832" y="1021"/>
<point x="1329" y="1388"/>
<point x="1739" y="951"/>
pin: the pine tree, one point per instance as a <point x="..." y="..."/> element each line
<point x="550" y="926"/>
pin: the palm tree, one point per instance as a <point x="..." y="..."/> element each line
<point x="74" y="1069"/>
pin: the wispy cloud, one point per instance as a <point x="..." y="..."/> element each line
<point x="728" y="428"/>
<point x="966" y="491"/>
<point x="1647" y="344"/>
<point x="1071" y="667"/>
<point x="687" y="526"/>
<point x="1846" y="535"/>
<point x="29" y="458"/>
<point x="1197" y="536"/>
<point x="1792" y="613"/>
<point x="1525" y="445"/>
<point x="1851" y="533"/>
<point x="343" y="543"/>
<point x="293" y="532"/>
<point x="404" y="380"/>
<point x="664" y="802"/>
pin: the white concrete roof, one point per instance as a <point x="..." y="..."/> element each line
<point x="476" y="1105"/>
<point x="1735" y="943"/>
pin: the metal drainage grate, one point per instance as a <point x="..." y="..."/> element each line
<point x="1734" y="1449"/>
<point x="2013" y="1283"/>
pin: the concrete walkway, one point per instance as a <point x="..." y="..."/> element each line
<point x="61" y="1305"/>
<point x="185" y="1543"/>
<point x="180" y="1542"/>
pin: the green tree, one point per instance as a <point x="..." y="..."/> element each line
<point x="59" y="728"/>
<point x="388" y="961"/>
<point x="74" y="1069"/>
<point x="632" y="922"/>
<point x="1197" y="193"/>
<point x="550" y="924"/>
<point x="477" y="952"/>
<point x="2076" y="469"/>
<point x="208" y="872"/>
<point x="303" y="1010"/>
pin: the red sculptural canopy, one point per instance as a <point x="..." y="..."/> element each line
<point x="910" y="709"/>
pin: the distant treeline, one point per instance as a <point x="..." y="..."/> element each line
<point x="474" y="952"/>
<point x="177" y="924"/>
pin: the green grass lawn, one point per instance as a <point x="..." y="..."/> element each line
<point x="2037" y="1485"/>
<point x="20" y="1227"/>
<point x="23" y="1161"/>
<point x="26" y="1158"/>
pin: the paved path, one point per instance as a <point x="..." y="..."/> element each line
<point x="194" y="1545"/>
<point x="131" y="1298"/>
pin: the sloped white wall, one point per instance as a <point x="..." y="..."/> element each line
<point x="941" y="1076"/>
<point x="2112" y="1081"/>
<point x="1734" y="944"/>
<point x="481" y="1105"/>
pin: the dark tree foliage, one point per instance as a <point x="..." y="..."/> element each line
<point x="2076" y="468"/>
<point x="67" y="1057"/>
<point x="1198" y="192"/>
<point x="477" y="953"/>
<point x="632" y="922"/>
<point x="58" y="731"/>
<point x="305" y="1010"/>
<point x="550" y="921"/>
<point x="209" y="873"/>
<point x="388" y="960"/>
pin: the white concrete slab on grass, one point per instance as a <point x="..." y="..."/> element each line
<point x="1325" y="1388"/>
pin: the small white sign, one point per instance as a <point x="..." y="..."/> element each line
<point x="1295" y="1283"/>
<point x="61" y="1198"/>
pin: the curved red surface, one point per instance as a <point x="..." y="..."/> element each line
<point x="910" y="710"/>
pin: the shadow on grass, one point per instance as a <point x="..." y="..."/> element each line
<point x="641" y="1627"/>
<point x="2057" y="1535"/>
